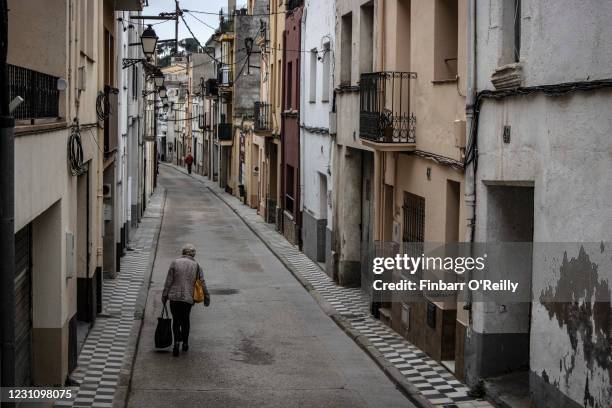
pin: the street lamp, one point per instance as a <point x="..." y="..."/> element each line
<point x="162" y="91"/>
<point x="148" y="40"/>
<point x="158" y="78"/>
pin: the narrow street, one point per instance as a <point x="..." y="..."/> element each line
<point x="264" y="341"/>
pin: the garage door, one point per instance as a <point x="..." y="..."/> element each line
<point x="23" y="307"/>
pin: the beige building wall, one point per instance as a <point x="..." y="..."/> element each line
<point x="44" y="39"/>
<point x="427" y="38"/>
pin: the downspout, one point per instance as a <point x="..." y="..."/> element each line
<point x="302" y="167"/>
<point x="381" y="30"/>
<point x="7" y="212"/>
<point x="470" y="171"/>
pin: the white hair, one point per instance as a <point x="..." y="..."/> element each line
<point x="189" y="250"/>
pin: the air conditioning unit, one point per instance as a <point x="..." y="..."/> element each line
<point x="460" y="133"/>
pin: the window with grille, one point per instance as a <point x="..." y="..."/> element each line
<point x="414" y="218"/>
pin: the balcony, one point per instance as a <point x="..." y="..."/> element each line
<point x="224" y="133"/>
<point x="128" y="5"/>
<point x="226" y="26"/>
<point x="224" y="78"/>
<point x="211" y="90"/>
<point x="385" y="119"/>
<point x="293" y="4"/>
<point x="262" y="114"/>
<point x="39" y="91"/>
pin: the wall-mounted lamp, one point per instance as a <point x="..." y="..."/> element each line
<point x="148" y="39"/>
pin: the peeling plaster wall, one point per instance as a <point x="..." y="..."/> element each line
<point x="561" y="146"/>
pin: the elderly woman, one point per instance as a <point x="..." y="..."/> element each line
<point x="179" y="290"/>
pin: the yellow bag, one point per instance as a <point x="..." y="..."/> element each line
<point x="198" y="291"/>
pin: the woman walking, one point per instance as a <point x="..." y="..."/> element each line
<point x="179" y="288"/>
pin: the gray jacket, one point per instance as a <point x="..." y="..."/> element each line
<point x="181" y="279"/>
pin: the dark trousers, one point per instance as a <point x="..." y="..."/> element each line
<point x="180" y="320"/>
<point x="189" y="168"/>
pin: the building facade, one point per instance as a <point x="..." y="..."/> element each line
<point x="267" y="114"/>
<point x="353" y="162"/>
<point x="540" y="178"/>
<point x="72" y="212"/>
<point x="290" y="123"/>
<point x="317" y="146"/>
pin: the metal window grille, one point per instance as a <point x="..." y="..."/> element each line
<point x="261" y="113"/>
<point x="414" y="218"/>
<point x="224" y="131"/>
<point x="39" y="91"/>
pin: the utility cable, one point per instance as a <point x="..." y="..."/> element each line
<point x="75" y="150"/>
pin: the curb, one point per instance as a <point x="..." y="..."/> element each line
<point x="124" y="382"/>
<point x="409" y="390"/>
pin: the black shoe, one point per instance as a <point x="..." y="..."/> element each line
<point x="185" y="346"/>
<point x="175" y="350"/>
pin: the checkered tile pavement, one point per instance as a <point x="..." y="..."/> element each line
<point x="433" y="380"/>
<point x="102" y="355"/>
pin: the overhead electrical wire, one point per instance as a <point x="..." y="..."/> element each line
<point x="241" y="15"/>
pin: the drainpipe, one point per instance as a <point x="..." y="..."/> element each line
<point x="7" y="212"/>
<point x="381" y="31"/>
<point x="470" y="171"/>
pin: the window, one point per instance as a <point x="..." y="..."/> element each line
<point x="279" y="78"/>
<point x="313" y="75"/>
<point x="289" y="86"/>
<point x="414" y="218"/>
<point x="109" y="58"/>
<point x="326" y="72"/>
<point x="86" y="34"/>
<point x="134" y="82"/>
<point x="511" y="35"/>
<point x="366" y="38"/>
<point x="346" y="52"/>
<point x="445" y="39"/>
<point x="289" y="193"/>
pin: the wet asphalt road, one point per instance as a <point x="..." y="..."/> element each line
<point x="263" y="342"/>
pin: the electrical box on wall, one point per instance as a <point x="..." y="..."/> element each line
<point x="82" y="78"/>
<point x="460" y="133"/>
<point x="69" y="254"/>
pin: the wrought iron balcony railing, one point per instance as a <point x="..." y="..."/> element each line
<point x="262" y="114"/>
<point x="39" y="91"/>
<point x="210" y="88"/>
<point x="293" y="4"/>
<point x="226" y="25"/>
<point x="384" y="100"/>
<point x="224" y="131"/>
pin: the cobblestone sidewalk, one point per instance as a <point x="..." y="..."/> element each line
<point x="433" y="381"/>
<point x="101" y="357"/>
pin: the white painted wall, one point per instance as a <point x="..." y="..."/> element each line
<point x="318" y="27"/>
<point x="562" y="145"/>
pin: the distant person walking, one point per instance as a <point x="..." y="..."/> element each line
<point x="189" y="162"/>
<point x="179" y="289"/>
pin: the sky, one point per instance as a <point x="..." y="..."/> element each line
<point x="165" y="30"/>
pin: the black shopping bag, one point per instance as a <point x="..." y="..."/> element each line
<point x="163" y="332"/>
